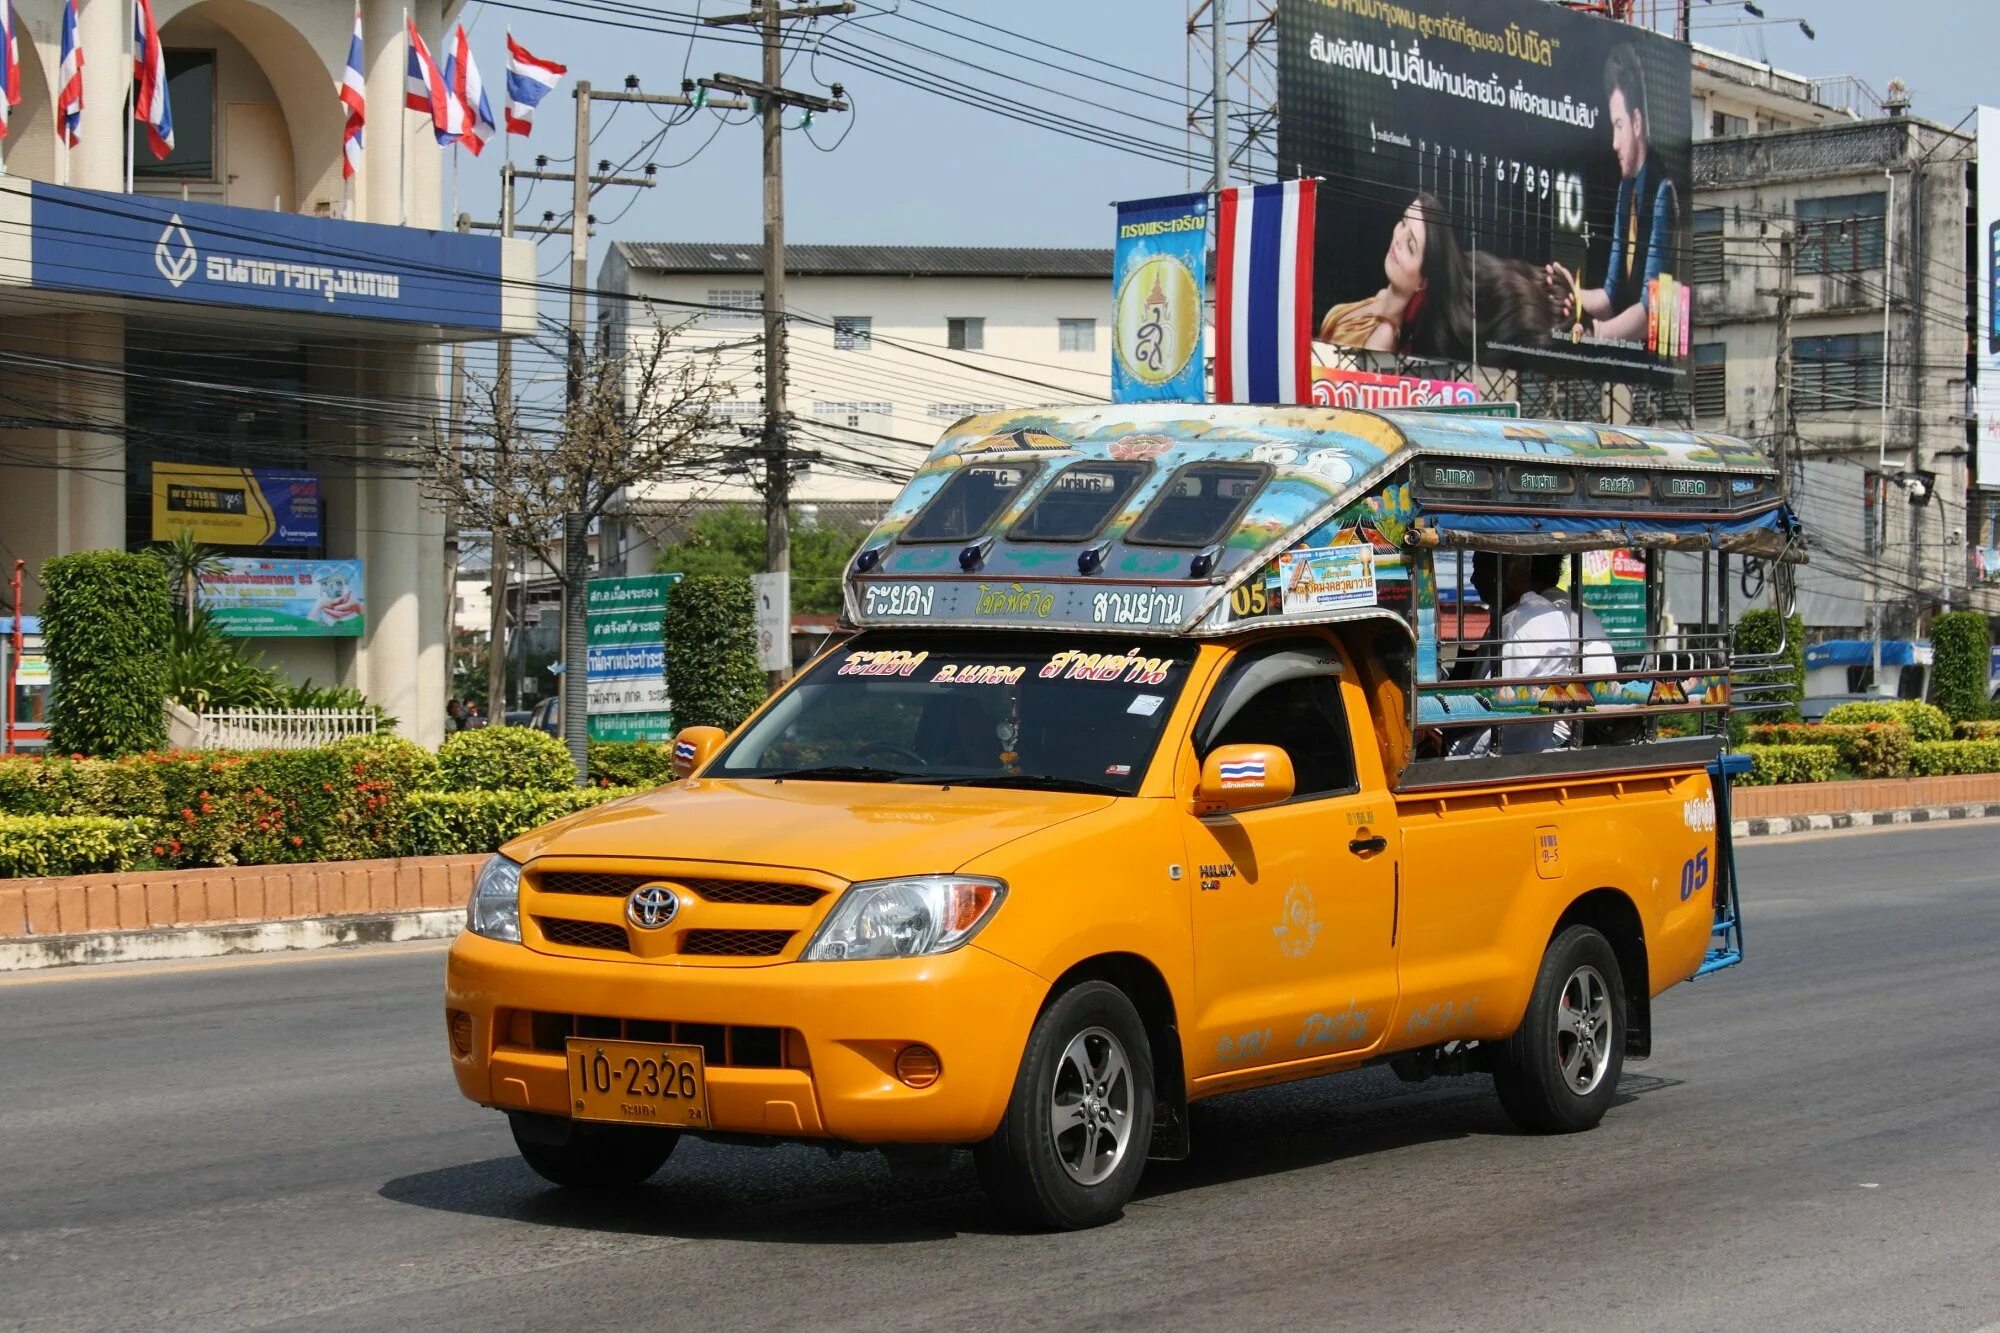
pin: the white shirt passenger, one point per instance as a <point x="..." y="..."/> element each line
<point x="1538" y="637"/>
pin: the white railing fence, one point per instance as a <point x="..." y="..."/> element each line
<point x="279" y="729"/>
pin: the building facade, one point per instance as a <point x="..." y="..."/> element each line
<point x="242" y="308"/>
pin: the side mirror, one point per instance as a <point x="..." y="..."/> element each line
<point x="1243" y="777"/>
<point x="695" y="746"/>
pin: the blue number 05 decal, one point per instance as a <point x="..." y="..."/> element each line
<point x="1694" y="875"/>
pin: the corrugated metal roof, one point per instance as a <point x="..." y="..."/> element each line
<point x="900" y="261"/>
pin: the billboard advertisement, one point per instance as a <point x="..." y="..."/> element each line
<point x="1157" y="276"/>
<point x="1334" y="387"/>
<point x="1510" y="179"/>
<point x="1986" y="347"/>
<point x="236" y="506"/>
<point x="625" y="660"/>
<point x="287" y="599"/>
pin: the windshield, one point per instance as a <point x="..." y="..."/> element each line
<point x="1064" y="712"/>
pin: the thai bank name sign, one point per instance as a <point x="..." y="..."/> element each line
<point x="211" y="254"/>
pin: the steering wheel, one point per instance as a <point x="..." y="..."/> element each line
<point x="893" y="751"/>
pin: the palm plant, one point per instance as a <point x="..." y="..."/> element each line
<point x="188" y="562"/>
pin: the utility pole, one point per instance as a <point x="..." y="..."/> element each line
<point x="773" y="98"/>
<point x="1784" y="427"/>
<point x="498" y="556"/>
<point x="455" y="409"/>
<point x="1218" y="34"/>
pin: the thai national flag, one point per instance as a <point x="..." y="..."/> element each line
<point x="10" y="68"/>
<point x="461" y="75"/>
<point x="1263" y="293"/>
<point x="149" y="76"/>
<point x="529" y="79"/>
<point x="1248" y="770"/>
<point x="354" y="96"/>
<point x="425" y="88"/>
<point x="69" y="82"/>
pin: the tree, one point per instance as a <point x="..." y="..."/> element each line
<point x="188" y="562"/>
<point x="710" y="633"/>
<point x="642" y="414"/>
<point x="106" y="620"/>
<point x="1961" y="657"/>
<point x="731" y="542"/>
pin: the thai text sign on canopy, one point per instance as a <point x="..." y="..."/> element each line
<point x="287" y="599"/>
<point x="235" y="506"/>
<point x="1157" y="276"/>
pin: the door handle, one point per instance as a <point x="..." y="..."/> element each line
<point x="1364" y="846"/>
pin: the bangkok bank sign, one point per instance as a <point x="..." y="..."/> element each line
<point x="1361" y="388"/>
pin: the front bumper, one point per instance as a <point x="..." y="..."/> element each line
<point x="843" y="1023"/>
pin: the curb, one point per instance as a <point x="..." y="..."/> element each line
<point x="245" y="937"/>
<point x="1932" y="814"/>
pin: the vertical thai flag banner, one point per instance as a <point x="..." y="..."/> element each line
<point x="69" y="80"/>
<point x="353" y="96"/>
<point x="1263" y="293"/>
<point x="529" y="79"/>
<point x="10" y="71"/>
<point x="149" y="77"/>
<point x="1157" y="278"/>
<point x="425" y="89"/>
<point x="461" y="76"/>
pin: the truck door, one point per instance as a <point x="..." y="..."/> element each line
<point x="1295" y="904"/>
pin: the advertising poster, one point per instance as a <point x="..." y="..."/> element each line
<point x="1327" y="578"/>
<point x="1511" y="176"/>
<point x="1158" y="271"/>
<point x="625" y="659"/>
<point x="1360" y="388"/>
<point x="236" y="506"/>
<point x="1614" y="586"/>
<point x="287" y="599"/>
<point x="1986" y="347"/>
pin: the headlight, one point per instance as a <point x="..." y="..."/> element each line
<point x="905" y="918"/>
<point x="494" y="909"/>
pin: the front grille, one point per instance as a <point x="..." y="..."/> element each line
<point x="584" y="934"/>
<point x="736" y="943"/>
<point x="721" y="1044"/>
<point x="754" y="893"/>
<point x="596" y="885"/>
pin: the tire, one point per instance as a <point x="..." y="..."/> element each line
<point x="1558" y="1073"/>
<point x="1082" y="1171"/>
<point x="596" y="1158"/>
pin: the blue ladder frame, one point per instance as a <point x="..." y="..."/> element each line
<point x="1725" y="942"/>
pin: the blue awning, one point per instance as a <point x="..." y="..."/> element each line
<point x="1778" y="521"/>
<point x="1861" y="652"/>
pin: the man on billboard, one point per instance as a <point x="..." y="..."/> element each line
<point x="1642" y="230"/>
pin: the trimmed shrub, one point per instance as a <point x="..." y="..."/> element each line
<point x="1964" y="731"/>
<point x="631" y="763"/>
<point x="1961" y="656"/>
<point x="1926" y="722"/>
<point x="1760" y="632"/>
<point x="504" y="759"/>
<point x="22" y="790"/>
<point x="1870" y="750"/>
<point x="394" y="758"/>
<point x="1774" y="765"/>
<point x="710" y="632"/>
<point x="70" y="844"/>
<point x="1937" y="759"/>
<point x="106" y="620"/>
<point x="459" y="822"/>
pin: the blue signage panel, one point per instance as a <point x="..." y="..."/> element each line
<point x="211" y="254"/>
<point x="1156" y="294"/>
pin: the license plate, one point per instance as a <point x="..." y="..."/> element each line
<point x="637" y="1083"/>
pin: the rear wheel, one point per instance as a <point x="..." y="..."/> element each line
<point x="590" y="1157"/>
<point x="1071" y="1147"/>
<point x="1558" y="1073"/>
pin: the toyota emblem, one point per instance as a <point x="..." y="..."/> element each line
<point x="652" y="906"/>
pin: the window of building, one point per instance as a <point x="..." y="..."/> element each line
<point x="959" y="411"/>
<point x="738" y="410"/>
<point x="851" y="413"/>
<point x="853" y="333"/>
<point x="1077" y="335"/>
<point x="191" y="92"/>
<point x="1711" y="385"/>
<point x="1838" y="373"/>
<point x="735" y="305"/>
<point x="1721" y="123"/>
<point x="965" y="334"/>
<point x="1705" y="262"/>
<point x="1841" y="233"/>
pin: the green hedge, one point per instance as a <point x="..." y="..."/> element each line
<point x="107" y="617"/>
<point x="1964" y="731"/>
<point x="1760" y="632"/>
<point x="710" y="632"/>
<point x="1774" y="765"/>
<point x="1961" y="657"/>
<point x="631" y="763"/>
<point x="504" y="759"/>
<point x="70" y="844"/>
<point x="1869" y="750"/>
<point x="1927" y="722"/>
<point x="1936" y="759"/>
<point x="448" y="823"/>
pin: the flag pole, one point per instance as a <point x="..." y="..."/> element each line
<point x="403" y="133"/>
<point x="131" y="89"/>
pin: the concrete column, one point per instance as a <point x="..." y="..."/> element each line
<point x="403" y="661"/>
<point x="104" y="29"/>
<point x="91" y="488"/>
<point x="378" y="194"/>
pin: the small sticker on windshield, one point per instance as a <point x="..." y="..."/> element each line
<point x="1145" y="705"/>
<point x="1118" y="771"/>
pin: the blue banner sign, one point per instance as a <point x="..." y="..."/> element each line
<point x="1158" y="273"/>
<point x="235" y="506"/>
<point x="212" y="254"/>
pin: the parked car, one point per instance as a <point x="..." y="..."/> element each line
<point x="547" y="716"/>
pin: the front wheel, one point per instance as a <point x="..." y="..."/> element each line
<point x="1559" y="1071"/>
<point x="1073" y="1142"/>
<point x="597" y="1158"/>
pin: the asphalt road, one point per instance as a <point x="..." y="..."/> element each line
<point x="1815" y="1144"/>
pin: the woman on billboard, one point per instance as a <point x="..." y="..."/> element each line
<point x="1436" y="299"/>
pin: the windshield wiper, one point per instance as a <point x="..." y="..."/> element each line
<point x="839" y="773"/>
<point x="1044" y="781"/>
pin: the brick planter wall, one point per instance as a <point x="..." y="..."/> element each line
<point x="1839" y="798"/>
<point x="157" y="899"/>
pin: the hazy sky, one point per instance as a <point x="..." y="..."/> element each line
<point x="916" y="168"/>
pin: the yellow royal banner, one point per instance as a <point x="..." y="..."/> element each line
<point x="236" y="506"/>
